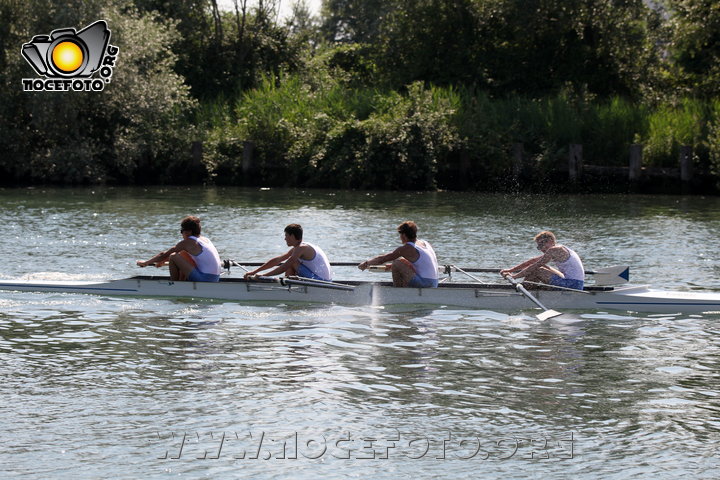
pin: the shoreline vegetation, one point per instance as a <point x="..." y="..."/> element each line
<point x="478" y="95"/>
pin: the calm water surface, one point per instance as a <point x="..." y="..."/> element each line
<point x="96" y="387"/>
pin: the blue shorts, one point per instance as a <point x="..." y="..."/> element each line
<point x="420" y="282"/>
<point x="566" y="282"/>
<point x="198" y="276"/>
<point x="305" y="272"/>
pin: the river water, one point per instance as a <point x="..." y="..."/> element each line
<point x="97" y="387"/>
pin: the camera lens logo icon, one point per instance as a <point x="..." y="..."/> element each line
<point x="68" y="57"/>
<point x="67" y="53"/>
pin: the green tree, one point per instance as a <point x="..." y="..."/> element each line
<point x="432" y="41"/>
<point x="544" y="44"/>
<point x="533" y="47"/>
<point x="226" y="51"/>
<point x="694" y="45"/>
<point x="355" y="21"/>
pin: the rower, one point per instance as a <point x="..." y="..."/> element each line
<point x="569" y="273"/>
<point x="414" y="264"/>
<point x="304" y="259"/>
<point x="194" y="258"/>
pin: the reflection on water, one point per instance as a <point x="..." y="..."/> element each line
<point x="159" y="388"/>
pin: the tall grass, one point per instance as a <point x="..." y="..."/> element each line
<point x="609" y="129"/>
<point x="670" y="126"/>
<point x="330" y="134"/>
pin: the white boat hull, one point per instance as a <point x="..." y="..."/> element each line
<point x="466" y="295"/>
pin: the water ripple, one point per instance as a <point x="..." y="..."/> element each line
<point x="93" y="385"/>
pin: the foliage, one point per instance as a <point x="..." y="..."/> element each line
<point x="534" y="47"/>
<point x="490" y="127"/>
<point x="354" y="21"/>
<point x="673" y="125"/>
<point x="409" y="94"/>
<point x="407" y="136"/>
<point x="134" y="129"/>
<point x="610" y="128"/>
<point x="714" y="142"/>
<point x="695" y="46"/>
<point x="148" y="103"/>
<point x="308" y="131"/>
<point x="328" y="137"/>
<point x="230" y="50"/>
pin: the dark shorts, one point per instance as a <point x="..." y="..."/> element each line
<point x="567" y="282"/>
<point x="305" y="272"/>
<point x="420" y="282"/>
<point x="198" y="276"/>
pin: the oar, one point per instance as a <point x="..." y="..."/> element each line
<point x="235" y="263"/>
<point x="556" y="287"/>
<point x="622" y="271"/>
<point x="469" y="275"/>
<point x="232" y="263"/>
<point x="314" y="282"/>
<point x="377" y="268"/>
<point x="541" y="316"/>
<point x="602" y="276"/>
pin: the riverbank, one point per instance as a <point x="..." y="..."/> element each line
<point x="426" y="138"/>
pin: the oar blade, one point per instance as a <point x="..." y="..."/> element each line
<point x="612" y="275"/>
<point x="547" y="314"/>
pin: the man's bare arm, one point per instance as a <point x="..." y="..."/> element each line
<point x="402" y="251"/>
<point x="273" y="262"/>
<point x="162" y="257"/>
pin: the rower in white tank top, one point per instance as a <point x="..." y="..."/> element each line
<point x="318" y="266"/>
<point x="426" y="265"/>
<point x="568" y="274"/>
<point x="414" y="264"/>
<point x="572" y="268"/>
<point x="194" y="258"/>
<point x="208" y="260"/>
<point x="303" y="259"/>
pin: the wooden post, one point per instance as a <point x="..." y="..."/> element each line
<point x="575" y="162"/>
<point x="465" y="172"/>
<point x="247" y="156"/>
<point x="517" y="154"/>
<point x="197" y="153"/>
<point x="686" y="163"/>
<point x="635" y="171"/>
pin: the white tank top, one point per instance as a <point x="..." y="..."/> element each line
<point x="426" y="265"/>
<point x="572" y="268"/>
<point x="319" y="264"/>
<point x="208" y="261"/>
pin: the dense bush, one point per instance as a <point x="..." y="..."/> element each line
<point x="327" y="137"/>
<point x="324" y="133"/>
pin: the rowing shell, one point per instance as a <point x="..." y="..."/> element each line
<point x="464" y="295"/>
